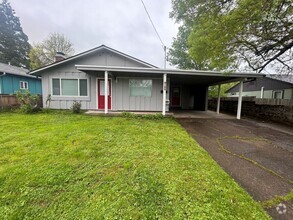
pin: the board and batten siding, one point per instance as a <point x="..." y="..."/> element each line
<point x="122" y="101"/>
<point x="102" y="58"/>
<point x="61" y="102"/>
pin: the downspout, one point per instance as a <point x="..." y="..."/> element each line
<point x="261" y="92"/>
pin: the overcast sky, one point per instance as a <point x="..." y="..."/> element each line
<point x="120" y="24"/>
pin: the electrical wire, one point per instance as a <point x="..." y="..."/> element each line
<point x="153" y="24"/>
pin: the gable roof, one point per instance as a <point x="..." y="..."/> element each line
<point x="269" y="82"/>
<point x="89" y="52"/>
<point x="14" y="70"/>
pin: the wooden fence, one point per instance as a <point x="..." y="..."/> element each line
<point x="283" y="102"/>
<point x="10" y="101"/>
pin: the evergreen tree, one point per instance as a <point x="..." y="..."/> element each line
<point x="14" y="46"/>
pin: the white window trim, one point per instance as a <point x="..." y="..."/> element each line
<point x="24" y="83"/>
<point x="66" y="96"/>
<point x="139" y="78"/>
<point x="274" y="92"/>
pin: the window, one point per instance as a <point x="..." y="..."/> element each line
<point x="140" y="87"/>
<point x="278" y="94"/>
<point x="69" y="87"/>
<point x="23" y="85"/>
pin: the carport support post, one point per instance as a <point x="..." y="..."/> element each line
<point x="106" y="92"/>
<point x="164" y="93"/>
<point x="219" y="99"/>
<point x="240" y="100"/>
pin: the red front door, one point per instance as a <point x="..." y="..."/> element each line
<point x="175" y="96"/>
<point x="101" y="94"/>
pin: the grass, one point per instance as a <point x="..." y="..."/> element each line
<point x="65" y="166"/>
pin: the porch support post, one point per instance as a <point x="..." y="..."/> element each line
<point x="164" y="93"/>
<point x="106" y="92"/>
<point x="240" y="100"/>
<point x="219" y="99"/>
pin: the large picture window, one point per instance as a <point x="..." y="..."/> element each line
<point x="69" y="87"/>
<point x="140" y="87"/>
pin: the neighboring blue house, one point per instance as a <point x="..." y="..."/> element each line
<point x="14" y="79"/>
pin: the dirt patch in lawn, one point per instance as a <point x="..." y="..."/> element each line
<point x="258" y="157"/>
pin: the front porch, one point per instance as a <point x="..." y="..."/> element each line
<point x="173" y="113"/>
<point x="167" y="89"/>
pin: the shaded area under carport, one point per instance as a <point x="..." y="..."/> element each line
<point x="197" y="82"/>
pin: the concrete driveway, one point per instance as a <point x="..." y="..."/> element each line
<point x="259" y="156"/>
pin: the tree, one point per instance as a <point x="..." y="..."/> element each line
<point x="44" y="53"/>
<point x="213" y="90"/>
<point x="14" y="46"/>
<point x="178" y="55"/>
<point x="237" y="34"/>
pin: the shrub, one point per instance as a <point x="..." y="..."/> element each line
<point x="28" y="102"/>
<point x="153" y="116"/>
<point x="128" y="115"/>
<point x="146" y="116"/>
<point x="76" y="107"/>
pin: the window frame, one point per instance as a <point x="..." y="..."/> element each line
<point x="141" y="80"/>
<point x="78" y="87"/>
<point x="278" y="91"/>
<point x="23" y="83"/>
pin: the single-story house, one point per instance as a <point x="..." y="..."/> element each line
<point x="14" y="79"/>
<point x="128" y="83"/>
<point x="269" y="87"/>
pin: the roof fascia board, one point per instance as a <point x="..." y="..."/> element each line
<point x="168" y="71"/>
<point x="16" y="74"/>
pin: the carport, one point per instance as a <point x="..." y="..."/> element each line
<point x="181" y="89"/>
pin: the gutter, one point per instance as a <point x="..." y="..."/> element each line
<point x="168" y="71"/>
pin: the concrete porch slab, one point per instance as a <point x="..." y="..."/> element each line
<point x="200" y="114"/>
<point x="117" y="113"/>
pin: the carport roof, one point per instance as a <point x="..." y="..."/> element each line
<point x="180" y="76"/>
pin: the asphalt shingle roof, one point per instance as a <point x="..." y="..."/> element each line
<point x="9" y="69"/>
<point x="285" y="78"/>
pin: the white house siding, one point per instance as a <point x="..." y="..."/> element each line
<point x="59" y="102"/>
<point x="268" y="94"/>
<point x="121" y="99"/>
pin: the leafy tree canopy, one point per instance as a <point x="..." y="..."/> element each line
<point x="213" y="90"/>
<point x="43" y="53"/>
<point x="235" y="34"/>
<point x="14" y="46"/>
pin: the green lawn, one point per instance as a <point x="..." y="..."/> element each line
<point x="65" y="166"/>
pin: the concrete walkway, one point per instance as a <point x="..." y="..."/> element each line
<point x="258" y="155"/>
